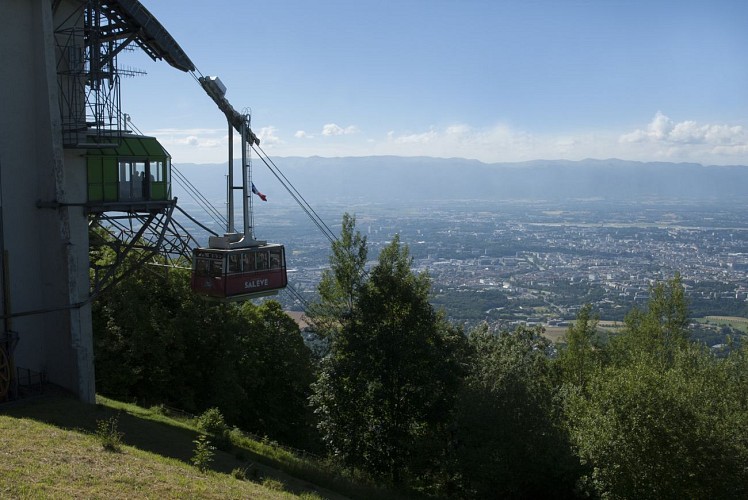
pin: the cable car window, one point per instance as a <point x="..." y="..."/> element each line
<point x="139" y="180"/>
<point x="234" y="263"/>
<point x="208" y="267"/>
<point x="217" y="268"/>
<point x="248" y="262"/>
<point x="209" y="263"/>
<point x="125" y="191"/>
<point x="262" y="260"/>
<point x="157" y="170"/>
<point x="124" y="171"/>
<point x="202" y="266"/>
<point x="275" y="258"/>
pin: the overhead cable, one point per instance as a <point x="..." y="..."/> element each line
<point x="198" y="197"/>
<point x="297" y="296"/>
<point x="311" y="213"/>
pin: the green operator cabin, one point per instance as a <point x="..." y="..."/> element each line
<point x="137" y="170"/>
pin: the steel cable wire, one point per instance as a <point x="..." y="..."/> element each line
<point x="199" y="198"/>
<point x="311" y="213"/>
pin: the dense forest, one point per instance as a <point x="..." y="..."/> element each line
<point x="402" y="396"/>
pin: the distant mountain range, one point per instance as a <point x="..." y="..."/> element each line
<point x="379" y="179"/>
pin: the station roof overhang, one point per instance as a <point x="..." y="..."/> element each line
<point x="130" y="18"/>
<point x="133" y="146"/>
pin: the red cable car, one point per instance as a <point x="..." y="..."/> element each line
<point x="239" y="273"/>
<point x="236" y="266"/>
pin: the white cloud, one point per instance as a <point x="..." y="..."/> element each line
<point x="211" y="143"/>
<point x="186" y="131"/>
<point x="687" y="132"/>
<point x="660" y="139"/>
<point x="725" y="134"/>
<point x="660" y="126"/>
<point x="268" y="136"/>
<point x="662" y="129"/>
<point x="332" y="129"/>
<point x="688" y="141"/>
<point x="422" y="138"/>
<point x="458" y="130"/>
<point x="198" y="138"/>
<point x="497" y="143"/>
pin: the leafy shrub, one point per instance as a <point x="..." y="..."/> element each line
<point x="249" y="473"/>
<point x="159" y="409"/>
<point x="108" y="435"/>
<point x="203" y="454"/>
<point x="310" y="495"/>
<point x="240" y="473"/>
<point x="273" y="484"/>
<point x="211" y="422"/>
<point x="236" y="434"/>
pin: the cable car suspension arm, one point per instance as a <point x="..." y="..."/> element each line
<point x="217" y="91"/>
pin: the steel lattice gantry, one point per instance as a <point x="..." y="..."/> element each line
<point x="60" y="101"/>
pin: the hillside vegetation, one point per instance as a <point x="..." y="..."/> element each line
<point x="51" y="447"/>
<point x="397" y="396"/>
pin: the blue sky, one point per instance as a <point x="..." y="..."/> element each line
<point x="656" y="80"/>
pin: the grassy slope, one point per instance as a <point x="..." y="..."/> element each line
<point x="47" y="449"/>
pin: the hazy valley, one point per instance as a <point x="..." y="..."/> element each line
<point x="388" y="179"/>
<point x="527" y="243"/>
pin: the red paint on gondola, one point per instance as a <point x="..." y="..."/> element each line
<point x="239" y="273"/>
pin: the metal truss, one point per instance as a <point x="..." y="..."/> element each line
<point x="88" y="41"/>
<point x="124" y="242"/>
<point x="88" y="80"/>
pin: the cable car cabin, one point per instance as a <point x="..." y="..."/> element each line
<point x="239" y="273"/>
<point x="131" y="176"/>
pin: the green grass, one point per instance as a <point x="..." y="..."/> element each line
<point x="40" y="460"/>
<point x="49" y="448"/>
<point x="605" y="328"/>
<point x="555" y="333"/>
<point x="734" y="322"/>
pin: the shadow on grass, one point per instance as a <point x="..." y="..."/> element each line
<point x="59" y="408"/>
<point x="62" y="410"/>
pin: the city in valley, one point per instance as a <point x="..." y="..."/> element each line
<point x="535" y="262"/>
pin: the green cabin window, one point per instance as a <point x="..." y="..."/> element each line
<point x="138" y="170"/>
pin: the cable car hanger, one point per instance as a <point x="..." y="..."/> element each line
<point x="235" y="265"/>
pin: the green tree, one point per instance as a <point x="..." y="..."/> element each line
<point x="155" y="342"/>
<point x="275" y="372"/>
<point x="659" y="330"/>
<point x="581" y="354"/>
<point x="340" y="285"/>
<point x="386" y="391"/>
<point x="650" y="433"/>
<point x="665" y="418"/>
<point x="158" y="343"/>
<point x="511" y="440"/>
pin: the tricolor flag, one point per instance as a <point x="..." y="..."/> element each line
<point x="255" y="191"/>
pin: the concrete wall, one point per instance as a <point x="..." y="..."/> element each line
<point x="47" y="248"/>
